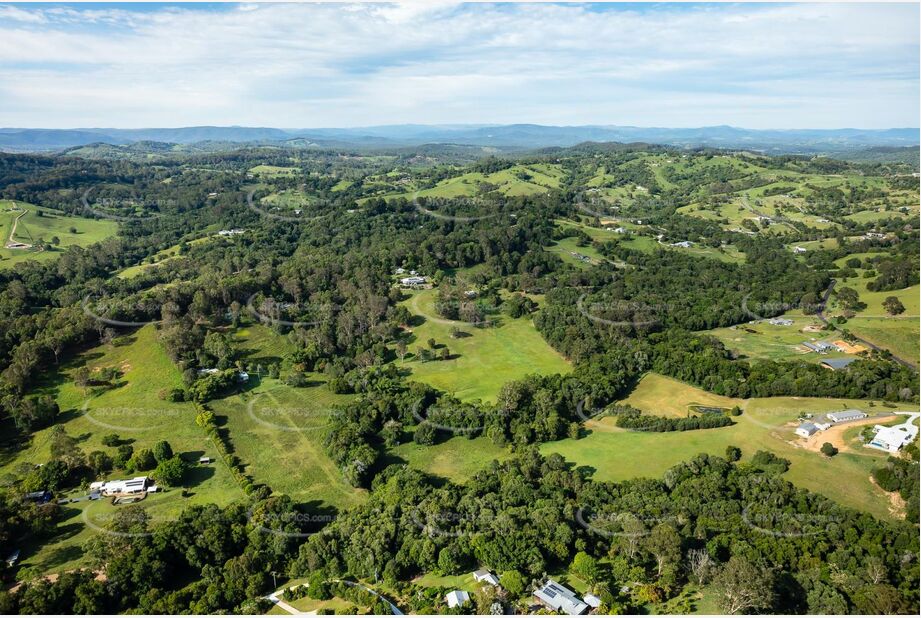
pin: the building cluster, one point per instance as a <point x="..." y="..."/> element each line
<point x="780" y="322"/>
<point x="413" y="280"/>
<point x="551" y="595"/>
<point x="812" y="427"/>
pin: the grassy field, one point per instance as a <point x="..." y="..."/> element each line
<point x="767" y="341"/>
<point x="767" y="424"/>
<point x="31" y="228"/>
<point x="160" y="257"/>
<point x="483" y="361"/>
<point x="663" y="396"/>
<point x="518" y="180"/>
<point x="456" y="459"/>
<point x="134" y="411"/>
<point x="272" y="171"/>
<point x="278" y="430"/>
<point x="899" y="334"/>
<point x="614" y="454"/>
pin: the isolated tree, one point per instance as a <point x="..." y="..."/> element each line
<point x="829" y="450"/>
<point x="162" y="451"/>
<point x="82" y="378"/>
<point x="893" y="305"/>
<point x="424" y="434"/>
<point x="849" y="299"/>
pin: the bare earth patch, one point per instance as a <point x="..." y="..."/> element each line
<point x="896" y="501"/>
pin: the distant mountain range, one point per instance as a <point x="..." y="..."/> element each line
<point x="504" y="137"/>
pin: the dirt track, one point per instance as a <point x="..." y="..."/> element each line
<point x="835" y="433"/>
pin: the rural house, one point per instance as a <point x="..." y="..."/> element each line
<point x="559" y="598"/>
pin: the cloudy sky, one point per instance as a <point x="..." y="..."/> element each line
<point x="338" y="65"/>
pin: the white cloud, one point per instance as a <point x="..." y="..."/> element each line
<point x="299" y="65"/>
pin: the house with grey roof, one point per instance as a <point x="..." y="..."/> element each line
<point x="560" y="598"/>
<point x="806" y="430"/>
<point x="846" y="415"/>
<point x="837" y="363"/>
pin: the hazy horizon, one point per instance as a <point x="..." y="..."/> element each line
<point x="446" y="125"/>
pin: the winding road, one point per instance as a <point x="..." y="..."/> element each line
<point x="11" y="243"/>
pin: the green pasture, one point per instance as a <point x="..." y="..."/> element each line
<point x="134" y="411"/>
<point x="615" y="454"/>
<point x="33" y="228"/>
<point x="482" y="361"/>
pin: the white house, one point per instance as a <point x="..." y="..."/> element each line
<point x="806" y="430"/>
<point x="845" y="416"/>
<point x="780" y="322"/>
<point x="485" y="576"/>
<point x="559" y="598"/>
<point x="892" y="439"/>
<point x="684" y="243"/>
<point x="799" y="250"/>
<point x="457" y="598"/>
<point x="137" y="485"/>
<point x="412" y="281"/>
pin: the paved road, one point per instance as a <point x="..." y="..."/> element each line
<point x="274" y="598"/>
<point x="821" y="315"/>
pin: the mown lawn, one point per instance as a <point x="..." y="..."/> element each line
<point x="484" y="360"/>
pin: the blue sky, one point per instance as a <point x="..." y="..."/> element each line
<point x="294" y="65"/>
